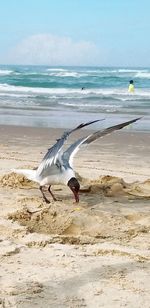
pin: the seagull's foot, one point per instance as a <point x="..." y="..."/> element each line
<point x="55" y="199"/>
<point x="47" y="201"/>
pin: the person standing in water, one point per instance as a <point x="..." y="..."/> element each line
<point x="131" y="87"/>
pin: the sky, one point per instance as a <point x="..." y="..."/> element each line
<point x="75" y="32"/>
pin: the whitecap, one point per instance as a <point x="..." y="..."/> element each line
<point x="56" y="69"/>
<point x="143" y="75"/>
<point x="5" y="72"/>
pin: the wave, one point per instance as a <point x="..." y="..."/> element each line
<point x="78" y="73"/>
<point x="6" y="88"/>
<point x="56" y="69"/>
<point x="15" y="95"/>
<point x="121" y="94"/>
<point x="80" y="104"/>
<point x="5" y="72"/>
<point x="67" y="74"/>
<point x="131" y="70"/>
<point x="143" y="75"/>
<point x="118" y="70"/>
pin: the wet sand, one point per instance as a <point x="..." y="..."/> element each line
<point x="92" y="254"/>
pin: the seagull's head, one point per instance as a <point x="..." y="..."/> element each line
<point x="74" y="186"/>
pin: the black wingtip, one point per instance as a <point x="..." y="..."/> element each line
<point x="120" y="126"/>
<point x="109" y="130"/>
<point x="88" y="123"/>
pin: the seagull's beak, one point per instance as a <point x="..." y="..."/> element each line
<point x="76" y="194"/>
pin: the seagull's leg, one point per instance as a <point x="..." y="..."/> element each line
<point x="49" y="189"/>
<point x="46" y="200"/>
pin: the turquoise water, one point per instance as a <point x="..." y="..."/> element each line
<point x="53" y="96"/>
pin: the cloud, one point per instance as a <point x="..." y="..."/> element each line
<point x="48" y="49"/>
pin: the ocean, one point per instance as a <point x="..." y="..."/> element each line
<point x="45" y="96"/>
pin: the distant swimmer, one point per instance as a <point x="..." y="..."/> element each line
<point x="83" y="88"/>
<point x="131" y="87"/>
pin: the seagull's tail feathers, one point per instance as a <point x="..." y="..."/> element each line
<point x="29" y="174"/>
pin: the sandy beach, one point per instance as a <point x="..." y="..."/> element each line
<point x="92" y="254"/>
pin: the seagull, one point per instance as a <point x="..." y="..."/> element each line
<point x="56" y="166"/>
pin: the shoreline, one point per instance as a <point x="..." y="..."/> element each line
<point x="57" y="118"/>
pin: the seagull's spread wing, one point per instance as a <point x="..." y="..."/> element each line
<point x="52" y="155"/>
<point x="69" y="154"/>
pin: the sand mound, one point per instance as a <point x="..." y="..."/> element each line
<point x="140" y="189"/>
<point x="110" y="186"/>
<point x="107" y="179"/>
<point x="87" y="222"/>
<point x="15" y="181"/>
<point x="79" y="224"/>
